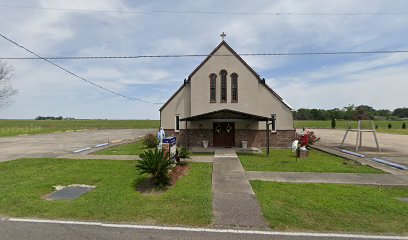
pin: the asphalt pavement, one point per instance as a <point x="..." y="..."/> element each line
<point x="12" y="230"/>
<point x="56" y="144"/>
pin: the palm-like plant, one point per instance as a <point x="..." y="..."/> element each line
<point x="157" y="164"/>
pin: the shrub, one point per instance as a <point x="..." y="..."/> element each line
<point x="157" y="164"/>
<point x="333" y="123"/>
<point x="184" y="153"/>
<point x="150" y="140"/>
<point x="403" y="126"/>
<point x="376" y="126"/>
<point x="389" y="126"/>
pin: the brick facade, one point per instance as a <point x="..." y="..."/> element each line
<point x="255" y="138"/>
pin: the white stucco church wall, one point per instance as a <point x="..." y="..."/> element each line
<point x="255" y="100"/>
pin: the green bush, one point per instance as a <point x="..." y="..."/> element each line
<point x="184" y="153"/>
<point x="376" y="126"/>
<point x="389" y="126"/>
<point x="157" y="164"/>
<point x="333" y="123"/>
<point x="403" y="126"/>
<point x="150" y="140"/>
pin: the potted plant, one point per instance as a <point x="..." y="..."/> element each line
<point x="244" y="144"/>
<point x="205" y="143"/>
<point x="305" y="140"/>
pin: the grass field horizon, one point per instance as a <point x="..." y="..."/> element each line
<point x="20" y="127"/>
<point x="15" y="127"/>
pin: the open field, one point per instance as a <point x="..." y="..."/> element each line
<point x="343" y="124"/>
<point x="19" y="127"/>
<point x="283" y="160"/>
<point x="335" y="208"/>
<point x="26" y="181"/>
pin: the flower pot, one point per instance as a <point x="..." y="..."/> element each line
<point x="205" y="144"/>
<point x="244" y="144"/>
<point x="302" y="153"/>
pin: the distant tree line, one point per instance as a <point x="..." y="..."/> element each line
<point x="362" y="112"/>
<point x="53" y="118"/>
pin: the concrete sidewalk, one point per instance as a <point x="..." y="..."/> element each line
<point x="337" y="178"/>
<point x="205" y="159"/>
<point x="100" y="157"/>
<point x="234" y="201"/>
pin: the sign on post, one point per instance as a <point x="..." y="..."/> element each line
<point x="170" y="146"/>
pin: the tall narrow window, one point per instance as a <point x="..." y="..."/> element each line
<point x="234" y="87"/>
<point x="213" y="87"/>
<point x="273" y="123"/>
<point x="177" y="125"/>
<point x="223" y="74"/>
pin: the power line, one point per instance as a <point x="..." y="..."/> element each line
<point x="206" y="55"/>
<point x="76" y="75"/>
<point x="211" y="12"/>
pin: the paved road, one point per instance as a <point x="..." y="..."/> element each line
<point x="53" y="145"/>
<point x="63" y="231"/>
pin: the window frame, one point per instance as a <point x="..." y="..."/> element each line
<point x="177" y="123"/>
<point x="224" y="85"/>
<point x="234" y="77"/>
<point x="213" y="77"/>
<point x="273" y="123"/>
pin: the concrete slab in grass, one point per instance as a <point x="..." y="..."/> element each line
<point x="336" y="178"/>
<point x="69" y="192"/>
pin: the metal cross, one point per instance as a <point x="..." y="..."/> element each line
<point x="223" y="35"/>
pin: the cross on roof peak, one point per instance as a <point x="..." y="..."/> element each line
<point x="223" y="35"/>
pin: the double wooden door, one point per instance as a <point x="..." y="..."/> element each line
<point x="224" y="134"/>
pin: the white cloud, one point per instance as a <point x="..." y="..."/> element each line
<point x="47" y="90"/>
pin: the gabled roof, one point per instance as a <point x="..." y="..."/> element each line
<point x="223" y="43"/>
<point x="226" y="114"/>
<point x="172" y="96"/>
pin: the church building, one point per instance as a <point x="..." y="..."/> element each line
<point x="224" y="103"/>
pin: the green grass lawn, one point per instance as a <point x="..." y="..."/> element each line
<point x="330" y="207"/>
<point x="283" y="160"/>
<point x="125" y="149"/>
<point x="343" y="124"/>
<point x="24" y="182"/>
<point x="18" y="127"/>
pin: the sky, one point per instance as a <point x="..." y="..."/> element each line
<point x="312" y="81"/>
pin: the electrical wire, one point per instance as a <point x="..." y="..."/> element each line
<point x="76" y="75"/>
<point x="277" y="13"/>
<point x="206" y="55"/>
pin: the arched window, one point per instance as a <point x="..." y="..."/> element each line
<point x="213" y="87"/>
<point x="223" y="75"/>
<point x="234" y="87"/>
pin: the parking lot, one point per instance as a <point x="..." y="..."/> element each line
<point x="56" y="144"/>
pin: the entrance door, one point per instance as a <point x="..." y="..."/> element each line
<point x="224" y="134"/>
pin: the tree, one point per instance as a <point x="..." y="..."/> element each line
<point x="401" y="112"/>
<point x="364" y="112"/>
<point x="6" y="90"/>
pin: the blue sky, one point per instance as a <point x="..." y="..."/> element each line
<point x="303" y="81"/>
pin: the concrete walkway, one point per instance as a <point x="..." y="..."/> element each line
<point x="100" y="157"/>
<point x="338" y="178"/>
<point x="234" y="201"/>
<point x="205" y="159"/>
